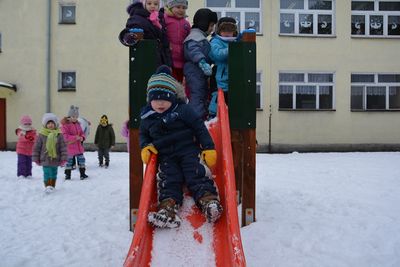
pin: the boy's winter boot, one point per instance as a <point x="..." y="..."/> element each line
<point x="107" y="164"/>
<point x="166" y="216"/>
<point x="100" y="163"/>
<point x="67" y="174"/>
<point x="210" y="206"/>
<point x="83" y="174"/>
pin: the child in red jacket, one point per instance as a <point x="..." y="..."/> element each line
<point x="26" y="139"/>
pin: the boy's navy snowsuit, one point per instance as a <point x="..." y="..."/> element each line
<point x="196" y="47"/>
<point x="179" y="135"/>
<point x="139" y="18"/>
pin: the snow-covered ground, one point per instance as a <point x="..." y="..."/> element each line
<point x="317" y="209"/>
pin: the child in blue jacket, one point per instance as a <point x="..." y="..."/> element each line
<point x="170" y="128"/>
<point x="197" y="67"/>
<point x="226" y="32"/>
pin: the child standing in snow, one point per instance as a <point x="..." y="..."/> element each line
<point x="50" y="150"/>
<point x="145" y="15"/>
<point x="178" y="29"/>
<point x="74" y="136"/>
<point x="197" y="67"/>
<point x="226" y="32"/>
<point x="26" y="138"/>
<point x="105" y="140"/>
<point x="170" y="128"/>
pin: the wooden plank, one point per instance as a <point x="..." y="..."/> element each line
<point x="237" y="153"/>
<point x="135" y="172"/>
<point x="249" y="175"/>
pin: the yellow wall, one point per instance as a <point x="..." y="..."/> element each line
<point x="91" y="48"/>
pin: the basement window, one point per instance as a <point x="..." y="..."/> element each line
<point x="67" y="14"/>
<point x="67" y="81"/>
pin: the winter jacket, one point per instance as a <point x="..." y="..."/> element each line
<point x="70" y="131"/>
<point x="196" y="48"/>
<point x="40" y="155"/>
<point x="219" y="54"/>
<point x="177" y="131"/>
<point x="105" y="136"/>
<point x="139" y="17"/>
<point x="85" y="125"/>
<point x="125" y="132"/>
<point x="177" y="31"/>
<point x="26" y="140"/>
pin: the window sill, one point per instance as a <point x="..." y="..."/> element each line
<point x="375" y="110"/>
<point x="259" y="109"/>
<point x="307" y="35"/>
<point x="374" y="37"/>
<point x="296" y="110"/>
<point x="67" y="89"/>
<point x="66" y="23"/>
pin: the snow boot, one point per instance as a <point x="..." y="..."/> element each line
<point x="210" y="206"/>
<point x="83" y="174"/>
<point x="67" y="174"/>
<point x="100" y="163"/>
<point x="107" y="164"/>
<point x="166" y="216"/>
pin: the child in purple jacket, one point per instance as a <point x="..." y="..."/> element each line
<point x="26" y="138"/>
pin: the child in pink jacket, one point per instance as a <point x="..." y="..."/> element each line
<point x="26" y="139"/>
<point x="178" y="28"/>
<point x="73" y="136"/>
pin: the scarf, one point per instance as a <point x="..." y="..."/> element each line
<point x="51" y="141"/>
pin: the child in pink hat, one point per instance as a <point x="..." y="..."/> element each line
<point x="26" y="139"/>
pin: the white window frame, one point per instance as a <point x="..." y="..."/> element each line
<point x="317" y="84"/>
<point x="259" y="83"/>
<point x="62" y="20"/>
<point x="60" y="83"/>
<point x="315" y="13"/>
<point x="368" y="13"/>
<point x="242" y="11"/>
<point x="374" y="83"/>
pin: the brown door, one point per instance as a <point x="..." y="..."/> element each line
<point x="2" y="124"/>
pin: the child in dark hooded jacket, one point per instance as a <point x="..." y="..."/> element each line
<point x="171" y="129"/>
<point x="197" y="67"/>
<point x="139" y="18"/>
<point x="104" y="139"/>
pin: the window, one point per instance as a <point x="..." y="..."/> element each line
<point x="307" y="17"/>
<point x="246" y="12"/>
<point x="375" y="92"/>
<point x="67" y="81"/>
<point x="259" y="94"/>
<point x="375" y="18"/>
<point x="67" y="14"/>
<point x="306" y="91"/>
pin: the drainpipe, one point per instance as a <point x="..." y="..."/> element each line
<point x="48" y="58"/>
<point x="270" y="130"/>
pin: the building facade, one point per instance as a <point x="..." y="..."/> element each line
<point x="328" y="71"/>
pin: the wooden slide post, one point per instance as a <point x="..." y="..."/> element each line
<point x="242" y="117"/>
<point x="142" y="64"/>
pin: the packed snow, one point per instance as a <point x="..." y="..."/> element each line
<point x="317" y="209"/>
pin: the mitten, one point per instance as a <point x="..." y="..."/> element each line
<point x="205" y="67"/>
<point x="146" y="153"/>
<point x="210" y="157"/>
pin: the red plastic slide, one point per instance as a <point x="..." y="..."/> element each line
<point x="226" y="240"/>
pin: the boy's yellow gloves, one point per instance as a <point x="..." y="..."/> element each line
<point x="146" y="153"/>
<point x="210" y="157"/>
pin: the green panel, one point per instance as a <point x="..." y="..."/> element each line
<point x="242" y="85"/>
<point x="142" y="64"/>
